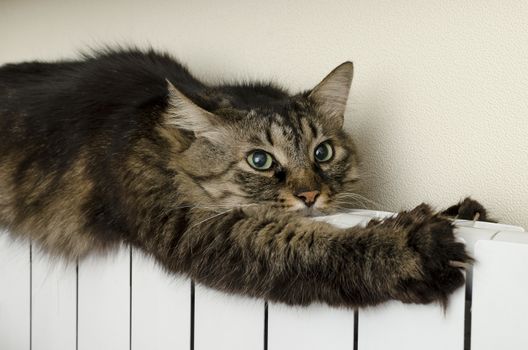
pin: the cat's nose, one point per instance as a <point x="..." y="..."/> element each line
<point x="308" y="197"/>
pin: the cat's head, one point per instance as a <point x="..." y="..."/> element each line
<point x="293" y="154"/>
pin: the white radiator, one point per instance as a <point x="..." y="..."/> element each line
<point x="126" y="302"/>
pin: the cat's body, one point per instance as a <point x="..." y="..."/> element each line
<point x="213" y="181"/>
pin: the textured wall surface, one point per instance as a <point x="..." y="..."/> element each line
<point x="439" y="105"/>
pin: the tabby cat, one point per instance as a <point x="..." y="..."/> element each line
<point x="217" y="182"/>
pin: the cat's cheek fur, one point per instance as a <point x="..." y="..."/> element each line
<point x="288" y="201"/>
<point x="322" y="202"/>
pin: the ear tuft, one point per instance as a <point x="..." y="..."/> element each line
<point x="182" y="113"/>
<point x="331" y="94"/>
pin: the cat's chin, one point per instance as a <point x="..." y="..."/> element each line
<point x="310" y="212"/>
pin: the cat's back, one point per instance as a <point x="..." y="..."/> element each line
<point x="107" y="73"/>
<point x="106" y="90"/>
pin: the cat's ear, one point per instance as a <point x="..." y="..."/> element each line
<point x="331" y="94"/>
<point x="182" y="113"/>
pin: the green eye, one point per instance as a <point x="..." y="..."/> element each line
<point x="260" y="160"/>
<point x="324" y="152"/>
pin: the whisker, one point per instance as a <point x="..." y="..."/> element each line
<point x="350" y="205"/>
<point x="352" y="200"/>
<point x="344" y="209"/>
<point x="221" y="213"/>
<point x="211" y="217"/>
<point x="225" y="206"/>
<point x="358" y="197"/>
<point x="356" y="200"/>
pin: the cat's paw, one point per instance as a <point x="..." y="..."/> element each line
<point x="468" y="209"/>
<point x="441" y="259"/>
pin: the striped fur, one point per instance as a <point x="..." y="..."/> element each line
<point x="127" y="146"/>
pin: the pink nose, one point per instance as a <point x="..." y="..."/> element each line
<point x="308" y="197"/>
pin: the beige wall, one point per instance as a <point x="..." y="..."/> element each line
<point x="439" y="106"/>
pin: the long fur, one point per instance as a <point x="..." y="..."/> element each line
<point x="127" y="146"/>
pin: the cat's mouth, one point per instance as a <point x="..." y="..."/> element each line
<point x="310" y="212"/>
<point x="314" y="210"/>
<point x="318" y="208"/>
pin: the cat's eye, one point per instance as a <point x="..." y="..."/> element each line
<point x="324" y="152"/>
<point x="260" y="160"/>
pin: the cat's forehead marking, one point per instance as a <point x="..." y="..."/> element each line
<point x="279" y="143"/>
<point x="289" y="136"/>
<point x="292" y="138"/>
<point x="310" y="129"/>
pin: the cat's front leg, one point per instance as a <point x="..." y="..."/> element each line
<point x="287" y="258"/>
